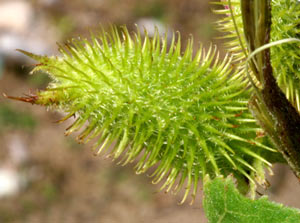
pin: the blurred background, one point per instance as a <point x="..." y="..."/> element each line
<point x="47" y="177"/>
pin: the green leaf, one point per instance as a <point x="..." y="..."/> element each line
<point x="224" y="204"/>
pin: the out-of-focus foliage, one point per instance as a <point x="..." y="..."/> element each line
<point x="11" y="118"/>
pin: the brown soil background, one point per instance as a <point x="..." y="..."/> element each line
<point x="67" y="182"/>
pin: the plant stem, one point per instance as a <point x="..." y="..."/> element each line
<point x="271" y="108"/>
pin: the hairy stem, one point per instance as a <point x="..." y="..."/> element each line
<point x="271" y="105"/>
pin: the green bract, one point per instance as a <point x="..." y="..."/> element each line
<point x="285" y="58"/>
<point x="185" y="115"/>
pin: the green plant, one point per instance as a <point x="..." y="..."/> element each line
<point x="187" y="115"/>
